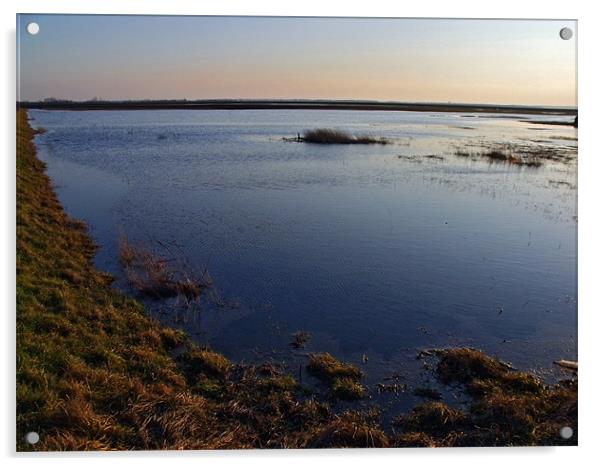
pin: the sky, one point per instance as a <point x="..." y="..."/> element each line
<point x="79" y="57"/>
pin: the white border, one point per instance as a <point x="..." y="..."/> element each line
<point x="590" y="172"/>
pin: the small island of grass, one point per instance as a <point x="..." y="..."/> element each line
<point x="333" y="136"/>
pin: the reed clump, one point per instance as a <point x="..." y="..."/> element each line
<point x="507" y="156"/>
<point x="519" y="154"/>
<point x="156" y="277"/>
<point x="333" y="136"/>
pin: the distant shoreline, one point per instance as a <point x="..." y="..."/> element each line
<point x="295" y="105"/>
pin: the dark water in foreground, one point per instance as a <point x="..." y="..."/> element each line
<point x="375" y="255"/>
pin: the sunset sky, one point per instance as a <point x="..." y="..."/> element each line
<point x="152" y="57"/>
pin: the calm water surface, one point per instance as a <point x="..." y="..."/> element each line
<point x="376" y="251"/>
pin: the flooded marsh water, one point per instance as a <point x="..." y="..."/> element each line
<point x="374" y="251"/>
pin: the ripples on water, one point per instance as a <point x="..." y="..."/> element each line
<point x="376" y="251"/>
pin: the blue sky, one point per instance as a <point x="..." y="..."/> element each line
<point x="136" y="57"/>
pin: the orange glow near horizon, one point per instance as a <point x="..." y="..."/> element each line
<point x="470" y="61"/>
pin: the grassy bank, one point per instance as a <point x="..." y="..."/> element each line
<point x="95" y="372"/>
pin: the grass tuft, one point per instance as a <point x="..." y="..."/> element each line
<point x="199" y="361"/>
<point x="327" y="368"/>
<point x="348" y="389"/>
<point x="481" y="373"/>
<point x="341" y="377"/>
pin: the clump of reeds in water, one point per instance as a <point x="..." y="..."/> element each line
<point x="528" y="160"/>
<point x="156" y="277"/>
<point x="504" y="156"/>
<point x="333" y="136"/>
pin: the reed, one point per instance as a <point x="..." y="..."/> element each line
<point x="332" y="136"/>
<point x="155" y="276"/>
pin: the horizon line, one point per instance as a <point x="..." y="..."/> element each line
<point x="98" y="100"/>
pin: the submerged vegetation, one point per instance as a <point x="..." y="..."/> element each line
<point x="300" y="339"/>
<point x="95" y="372"/>
<point x="504" y="156"/>
<point x="522" y="155"/>
<point x="333" y="136"/>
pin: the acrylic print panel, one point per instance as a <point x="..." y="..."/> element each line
<point x="273" y="232"/>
